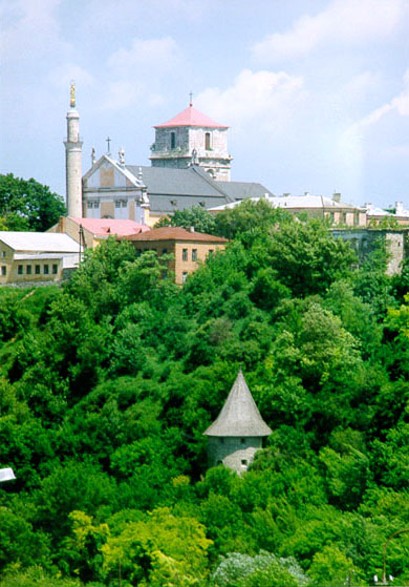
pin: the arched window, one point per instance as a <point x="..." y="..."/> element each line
<point x="208" y="145"/>
<point x="172" y="140"/>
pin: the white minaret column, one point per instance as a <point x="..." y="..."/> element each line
<point x="73" y="160"/>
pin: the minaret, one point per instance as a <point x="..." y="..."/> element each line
<point x="73" y="160"/>
<point x="237" y="433"/>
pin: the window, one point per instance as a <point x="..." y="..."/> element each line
<point x="164" y="251"/>
<point x="172" y="140"/>
<point x="28" y="269"/>
<point x="37" y="269"/>
<point x="243" y="440"/>
<point x="46" y="269"/>
<point x="194" y="254"/>
<point x="207" y="142"/>
<point x="244" y="462"/>
<point x="211" y="252"/>
<point x="3" y="254"/>
<point x="55" y="269"/>
<point x="184" y="255"/>
<point x="184" y="276"/>
<point x="20" y="269"/>
<point x="4" y="270"/>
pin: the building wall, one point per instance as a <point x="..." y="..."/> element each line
<point x="187" y="255"/>
<point x="215" y="158"/>
<point x="233" y="452"/>
<point x="31" y="270"/>
<point x="364" y="241"/>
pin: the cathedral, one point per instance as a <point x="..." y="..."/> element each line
<point x="190" y="166"/>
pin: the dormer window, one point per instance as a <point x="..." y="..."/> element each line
<point x="173" y="140"/>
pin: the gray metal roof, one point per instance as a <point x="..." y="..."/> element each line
<point x="176" y="189"/>
<point x="239" y="415"/>
<point x="242" y="190"/>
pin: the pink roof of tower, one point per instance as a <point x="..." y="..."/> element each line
<point x="191" y="117"/>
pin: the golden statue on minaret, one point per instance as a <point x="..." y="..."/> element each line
<point x="72" y="95"/>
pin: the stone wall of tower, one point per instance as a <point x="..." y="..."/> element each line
<point x="73" y="165"/>
<point x="233" y="452"/>
<point x="173" y="147"/>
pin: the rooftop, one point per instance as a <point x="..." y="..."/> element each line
<point x="106" y="226"/>
<point x="175" y="233"/>
<point x="239" y="415"/>
<point x="191" y="117"/>
<point x="44" y="242"/>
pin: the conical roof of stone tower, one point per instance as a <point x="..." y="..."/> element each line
<point x="239" y="415"/>
<point x="191" y="117"/>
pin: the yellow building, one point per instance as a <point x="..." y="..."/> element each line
<point x="188" y="248"/>
<point x="34" y="257"/>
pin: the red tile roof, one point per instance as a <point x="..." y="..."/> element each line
<point x="104" y="226"/>
<point x="175" y="233"/>
<point x="191" y="117"/>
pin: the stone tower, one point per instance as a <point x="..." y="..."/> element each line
<point x="73" y="160"/>
<point x="192" y="138"/>
<point x="237" y="433"/>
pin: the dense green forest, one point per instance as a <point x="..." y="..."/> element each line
<point x="109" y="381"/>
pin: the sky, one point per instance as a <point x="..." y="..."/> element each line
<point x="315" y="92"/>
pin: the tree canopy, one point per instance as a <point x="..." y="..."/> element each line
<point x="108" y="382"/>
<point x="28" y="205"/>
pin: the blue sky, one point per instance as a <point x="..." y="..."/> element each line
<point x="316" y="92"/>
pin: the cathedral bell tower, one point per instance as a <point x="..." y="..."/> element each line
<point x="192" y="138"/>
<point x="73" y="160"/>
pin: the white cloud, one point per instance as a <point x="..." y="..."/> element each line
<point x="146" y="54"/>
<point x="265" y="95"/>
<point x="62" y="76"/>
<point x="121" y="94"/>
<point x="342" y="22"/>
<point x="29" y="30"/>
<point x="399" y="104"/>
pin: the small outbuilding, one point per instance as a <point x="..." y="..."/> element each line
<point x="237" y="433"/>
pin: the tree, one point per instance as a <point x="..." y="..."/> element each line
<point x="241" y="570"/>
<point x="162" y="549"/>
<point x="28" y="205"/>
<point x="197" y="217"/>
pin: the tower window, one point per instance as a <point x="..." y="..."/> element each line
<point x="172" y="140"/>
<point x="208" y="145"/>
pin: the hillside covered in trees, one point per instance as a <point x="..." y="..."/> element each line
<point x="108" y="383"/>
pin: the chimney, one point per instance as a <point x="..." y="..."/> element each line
<point x="336" y="196"/>
<point x="192" y="229"/>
